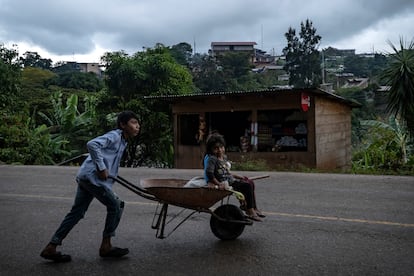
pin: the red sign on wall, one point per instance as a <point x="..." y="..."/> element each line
<point x="305" y="101"/>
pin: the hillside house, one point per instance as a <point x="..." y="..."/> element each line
<point x="91" y="67"/>
<point x="221" y="48"/>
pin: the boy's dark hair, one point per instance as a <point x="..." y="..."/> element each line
<point x="124" y="117"/>
<point x="212" y="140"/>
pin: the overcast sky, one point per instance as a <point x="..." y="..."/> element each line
<point x="83" y="30"/>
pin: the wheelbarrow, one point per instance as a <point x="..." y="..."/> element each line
<point x="227" y="221"/>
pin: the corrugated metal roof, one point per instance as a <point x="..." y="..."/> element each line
<point x="318" y="91"/>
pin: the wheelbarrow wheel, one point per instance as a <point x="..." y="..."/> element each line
<point x="226" y="230"/>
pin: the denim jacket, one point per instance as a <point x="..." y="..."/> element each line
<point x="105" y="152"/>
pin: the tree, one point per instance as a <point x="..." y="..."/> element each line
<point x="357" y="65"/>
<point x="33" y="77"/>
<point x="377" y="64"/>
<point x="235" y="65"/>
<point x="151" y="72"/>
<point x="182" y="53"/>
<point x="362" y="66"/>
<point x="78" y="80"/>
<point x="365" y="112"/>
<point x="230" y="71"/>
<point x="33" y="59"/>
<point x="34" y="89"/>
<point x="205" y="73"/>
<point x="163" y="74"/>
<point x="9" y="79"/>
<point x="123" y="75"/>
<point x="399" y="75"/>
<point x="302" y="56"/>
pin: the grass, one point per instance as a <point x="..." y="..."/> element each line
<point x="261" y="165"/>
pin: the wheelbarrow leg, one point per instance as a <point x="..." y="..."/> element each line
<point x="156" y="220"/>
<point x="160" y="225"/>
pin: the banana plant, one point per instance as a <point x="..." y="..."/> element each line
<point x="398" y="135"/>
<point x="66" y="123"/>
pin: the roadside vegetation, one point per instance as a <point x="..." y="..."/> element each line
<point x="49" y="112"/>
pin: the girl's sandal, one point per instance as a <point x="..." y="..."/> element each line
<point x="259" y="213"/>
<point x="255" y="218"/>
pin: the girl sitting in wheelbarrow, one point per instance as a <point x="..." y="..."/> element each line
<point x="217" y="175"/>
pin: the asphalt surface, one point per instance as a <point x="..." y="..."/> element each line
<point x="316" y="224"/>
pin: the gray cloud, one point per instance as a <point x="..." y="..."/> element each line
<point x="66" y="27"/>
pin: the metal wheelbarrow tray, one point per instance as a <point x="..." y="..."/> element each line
<point x="171" y="191"/>
<point x="227" y="221"/>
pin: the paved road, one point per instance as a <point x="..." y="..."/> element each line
<point x="316" y="224"/>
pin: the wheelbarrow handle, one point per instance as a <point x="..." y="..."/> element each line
<point x="259" y="177"/>
<point x="134" y="188"/>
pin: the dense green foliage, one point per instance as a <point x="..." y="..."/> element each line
<point x="129" y="79"/>
<point x="182" y="53"/>
<point x="365" y="66"/>
<point x="77" y="80"/>
<point x="69" y="127"/>
<point x="24" y="143"/>
<point x="206" y="75"/>
<point x="43" y="113"/>
<point x="381" y="143"/>
<point x="9" y="79"/>
<point x="33" y="59"/>
<point x="231" y="72"/>
<point x="385" y="147"/>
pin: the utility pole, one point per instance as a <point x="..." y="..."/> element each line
<point x="262" y="37"/>
<point x="323" y="67"/>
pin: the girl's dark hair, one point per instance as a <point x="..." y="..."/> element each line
<point x="124" y="117"/>
<point x="212" y="140"/>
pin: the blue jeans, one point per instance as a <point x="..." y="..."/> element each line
<point x="84" y="195"/>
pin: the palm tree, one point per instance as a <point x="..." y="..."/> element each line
<point x="399" y="75"/>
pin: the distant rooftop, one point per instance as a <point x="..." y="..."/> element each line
<point x="232" y="43"/>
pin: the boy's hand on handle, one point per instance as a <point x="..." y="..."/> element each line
<point x="103" y="175"/>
